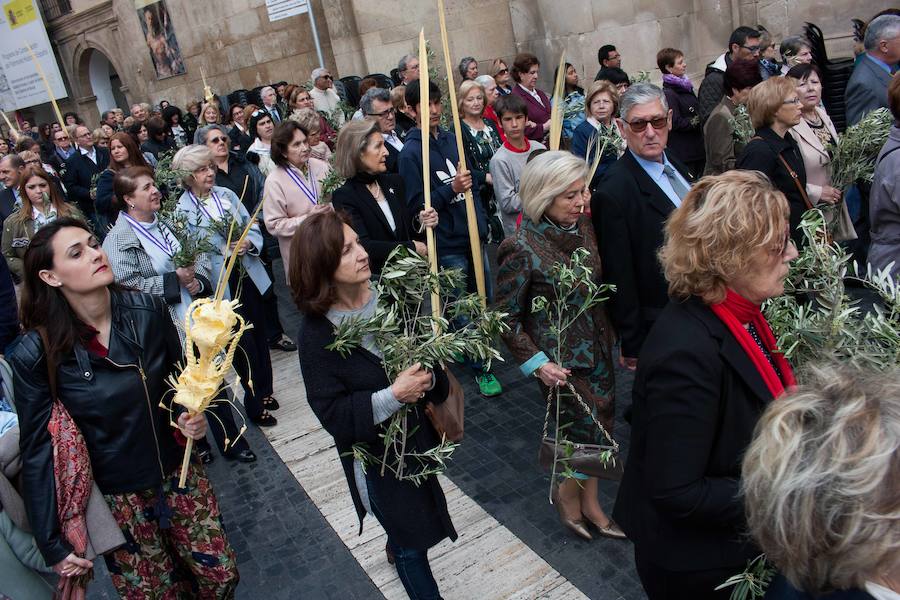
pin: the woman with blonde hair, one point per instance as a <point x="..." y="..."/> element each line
<point x="707" y="370"/>
<point x="481" y="140"/>
<point x="775" y="107"/>
<point x="299" y="100"/>
<point x="500" y="72"/>
<point x="554" y="197"/>
<point x="209" y="115"/>
<point x="42" y="203"/>
<point x="821" y="489"/>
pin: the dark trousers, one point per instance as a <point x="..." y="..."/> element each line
<point x="662" y="584"/>
<point x="253" y="364"/>
<point x="412" y="565"/>
<point x="464" y="263"/>
<point x="222" y="425"/>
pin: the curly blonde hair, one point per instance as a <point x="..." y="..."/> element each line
<point x="715" y="234"/>
<point x="821" y="480"/>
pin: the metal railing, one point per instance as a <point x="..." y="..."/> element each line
<point x="53" y="9"/>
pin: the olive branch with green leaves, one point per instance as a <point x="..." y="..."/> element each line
<point x="405" y="332"/>
<point x="562" y="312"/>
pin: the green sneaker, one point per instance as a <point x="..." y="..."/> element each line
<point x="488" y="385"/>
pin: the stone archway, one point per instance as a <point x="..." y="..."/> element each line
<point x="98" y="77"/>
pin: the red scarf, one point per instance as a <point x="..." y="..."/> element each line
<point x="512" y="148"/>
<point x="735" y="312"/>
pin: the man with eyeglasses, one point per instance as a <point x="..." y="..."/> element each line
<point x="609" y="58"/>
<point x="80" y="169"/>
<point x="11" y="168"/>
<point x="744" y="44"/>
<point x="325" y="99"/>
<point x="630" y="208"/>
<point x="376" y="104"/>
<point x="408" y="69"/>
<point x="270" y="103"/>
<point x="63" y="149"/>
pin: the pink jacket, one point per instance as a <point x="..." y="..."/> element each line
<point x="285" y="205"/>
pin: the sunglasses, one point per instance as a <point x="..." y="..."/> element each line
<point x="639" y="126"/>
<point x="386" y="113"/>
<point x="327" y="77"/>
<point x="217" y="140"/>
<point x="502" y="71"/>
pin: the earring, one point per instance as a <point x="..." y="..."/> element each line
<point x="131" y="206"/>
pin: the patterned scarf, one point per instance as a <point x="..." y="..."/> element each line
<point x="74" y="481"/>
<point x="735" y="312"/>
<point x="682" y="82"/>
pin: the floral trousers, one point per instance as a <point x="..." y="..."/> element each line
<point x="175" y="546"/>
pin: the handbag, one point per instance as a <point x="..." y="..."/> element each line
<point x="448" y="416"/>
<point x="593" y="460"/>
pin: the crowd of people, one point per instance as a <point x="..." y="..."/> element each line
<point x="692" y="223"/>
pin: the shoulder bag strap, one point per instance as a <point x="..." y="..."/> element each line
<point x="792" y="173"/>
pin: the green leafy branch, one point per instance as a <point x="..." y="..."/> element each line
<point x="741" y="125"/>
<point x="406" y="333"/>
<point x="853" y="157"/>
<point x="753" y="582"/>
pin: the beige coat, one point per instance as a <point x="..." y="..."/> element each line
<point x="815" y="156"/>
<point x="285" y="205"/>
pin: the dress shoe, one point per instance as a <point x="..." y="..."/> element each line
<point x="284" y="344"/>
<point x="244" y="456"/>
<point x="612" y="530"/>
<point x="389" y="553"/>
<point x="270" y="403"/>
<point x="576" y="526"/>
<point x="266" y="419"/>
<point x="206" y="455"/>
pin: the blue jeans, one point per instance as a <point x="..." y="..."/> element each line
<point x="412" y="565"/>
<point x="462" y="262"/>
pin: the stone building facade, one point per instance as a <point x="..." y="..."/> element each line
<point x="101" y="48"/>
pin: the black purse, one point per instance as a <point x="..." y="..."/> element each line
<point x="593" y="460"/>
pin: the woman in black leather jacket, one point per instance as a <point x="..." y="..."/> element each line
<point x="113" y="350"/>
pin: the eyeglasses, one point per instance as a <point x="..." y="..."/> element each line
<point x="792" y="101"/>
<point x="64" y="138"/>
<point x="387" y="113"/>
<point x="753" y="49"/>
<point x="217" y="140"/>
<point x="639" y="126"/>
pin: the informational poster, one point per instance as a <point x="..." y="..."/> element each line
<point x="282" y="9"/>
<point x="20" y="82"/>
<point x="160" y="37"/>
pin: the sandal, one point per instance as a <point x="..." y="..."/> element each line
<point x="265" y="419"/>
<point x="270" y="403"/>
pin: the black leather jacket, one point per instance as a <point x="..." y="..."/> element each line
<point x="115" y="401"/>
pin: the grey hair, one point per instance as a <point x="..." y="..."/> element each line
<point x="485" y="80"/>
<point x="820" y="479"/>
<point x="401" y="66"/>
<point x="268" y="88"/>
<point x="375" y="93"/>
<point x="885" y="27"/>
<point x="318" y="72"/>
<point x="464" y="65"/>
<point x="641" y="93"/>
<point x="189" y="159"/>
<point x="790" y="46"/>
<point x="351" y="142"/>
<point x="545" y="177"/>
<point x="204" y="132"/>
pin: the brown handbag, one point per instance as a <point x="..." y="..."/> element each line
<point x="593" y="460"/>
<point x="448" y="416"/>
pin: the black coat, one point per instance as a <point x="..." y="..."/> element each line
<point x="696" y="398"/>
<point x="629" y="212"/>
<point x="77" y="178"/>
<point x="157" y="147"/>
<point x="7" y="203"/>
<point x="761" y="154"/>
<point x="686" y="137"/>
<point x="780" y="589"/>
<point x="339" y="390"/>
<point x="113" y="400"/>
<point x="392" y="161"/>
<point x="369" y="222"/>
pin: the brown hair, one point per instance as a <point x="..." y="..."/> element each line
<point x="718" y="230"/>
<point x="134" y="153"/>
<point x="523" y="63"/>
<point x="894" y="97"/>
<point x="282" y="138"/>
<point x="767" y="98"/>
<point x="125" y="183"/>
<point x="295" y="93"/>
<point x="602" y="86"/>
<point x="316" y="250"/>
<point x="666" y="58"/>
<point x="366" y="84"/>
<point x="56" y="200"/>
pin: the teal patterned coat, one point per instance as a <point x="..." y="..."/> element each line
<point x="525" y="263"/>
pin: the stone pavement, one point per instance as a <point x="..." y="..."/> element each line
<point x="287" y="549"/>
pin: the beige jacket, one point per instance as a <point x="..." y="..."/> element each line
<point x="816" y="159"/>
<point x="285" y="205"/>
